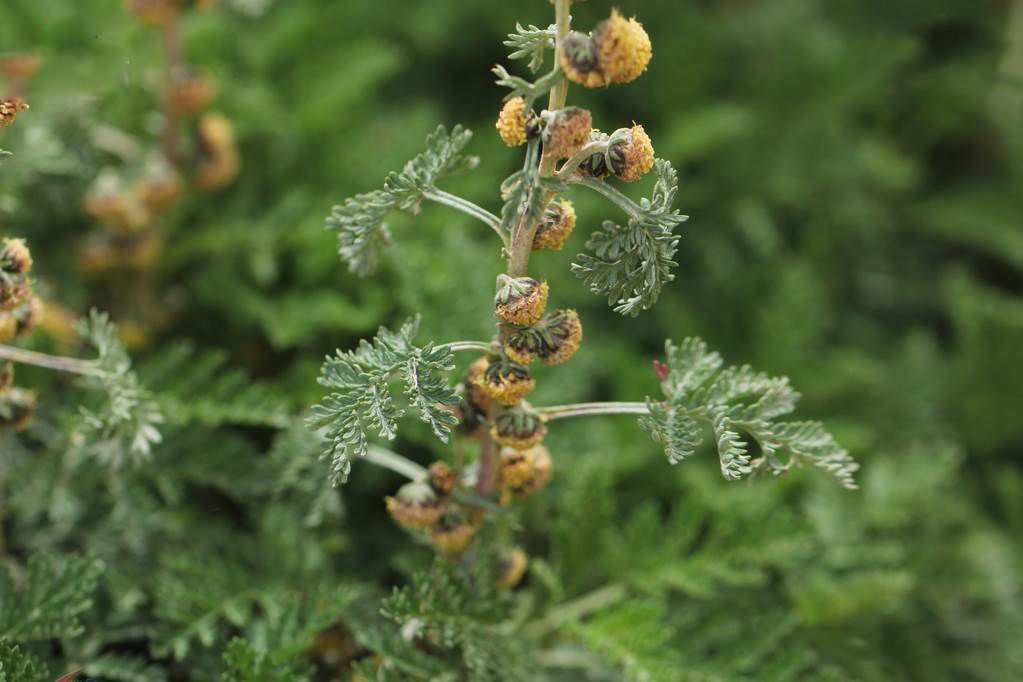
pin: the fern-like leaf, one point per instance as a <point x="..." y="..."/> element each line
<point x="531" y="43"/>
<point x="631" y="264"/>
<point x="57" y="591"/>
<point x="362" y="400"/>
<point x="360" y="219"/>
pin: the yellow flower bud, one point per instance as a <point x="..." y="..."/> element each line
<point x="511" y="122"/>
<point x="630" y="155"/>
<point x="555" y="227"/>
<point x="518" y="428"/>
<point x="452" y="534"/>
<point x="415" y="506"/>
<point x="623" y="48"/>
<point x="505" y="382"/>
<point x="525" y="472"/>
<point x="520" y="300"/>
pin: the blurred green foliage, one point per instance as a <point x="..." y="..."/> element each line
<point x="854" y="173"/>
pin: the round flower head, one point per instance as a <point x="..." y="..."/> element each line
<point x="17" y="406"/>
<point x="564" y="333"/>
<point x="518" y="350"/>
<point x="512" y="122"/>
<point x="415" y="506"/>
<point x="152" y="12"/>
<point x="567" y="131"/>
<point x="190" y="93"/>
<point x="9" y="108"/>
<point x="580" y="60"/>
<point x="520" y="300"/>
<point x="518" y="427"/>
<point x="630" y="155"/>
<point x="20" y="64"/>
<point x="623" y="48"/>
<point x="219" y="161"/>
<point x="506" y="382"/>
<point x="555" y="227"/>
<point x="452" y="533"/>
<point x="442" y="477"/>
<point x="513" y="566"/>
<point x="524" y="472"/>
<point x="15" y="258"/>
<point x="8" y="326"/>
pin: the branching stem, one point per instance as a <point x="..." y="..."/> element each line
<point x="395" y="462"/>
<point x="584" y="409"/>
<point x="469" y="208"/>
<point x="57" y="362"/>
<point x="570" y="166"/>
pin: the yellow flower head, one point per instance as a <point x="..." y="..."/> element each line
<point x="15" y="258"/>
<point x="631" y="153"/>
<point x="555" y="227"/>
<point x="506" y="383"/>
<point x="452" y="534"/>
<point x="9" y="108"/>
<point x="220" y="162"/>
<point x="519" y="428"/>
<point x="415" y="506"/>
<point x="520" y="300"/>
<point x="511" y="122"/>
<point x="567" y="131"/>
<point x="513" y="566"/>
<point x="525" y="472"/>
<point x="518" y="352"/>
<point x="623" y="48"/>
<point x="580" y="61"/>
<point x="566" y="333"/>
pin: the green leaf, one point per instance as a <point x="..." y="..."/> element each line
<point x="362" y="400"/>
<point x="17" y="665"/>
<point x="531" y="43"/>
<point x="57" y="591"/>
<point x="246" y="664"/>
<point x="360" y="219"/>
<point x="632" y="264"/>
<point x="736" y="401"/>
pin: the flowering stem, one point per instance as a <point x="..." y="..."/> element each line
<point x="583" y="409"/>
<point x="395" y="462"/>
<point x="586" y="152"/>
<point x="469" y="208"/>
<point x="577" y="608"/>
<point x="480" y="346"/>
<point x="59" y="363"/>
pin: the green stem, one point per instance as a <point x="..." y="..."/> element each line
<point x="577" y="608"/>
<point x="559" y="93"/>
<point x="609" y="192"/>
<point x="570" y="166"/>
<point x="56" y="362"/>
<point x="395" y="462"/>
<point x="469" y="208"/>
<point x="584" y="409"/>
<point x="481" y="346"/>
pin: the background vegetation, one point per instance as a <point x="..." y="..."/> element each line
<point x="854" y="173"/>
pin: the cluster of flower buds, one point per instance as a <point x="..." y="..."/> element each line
<point x="427" y="506"/>
<point x="554" y="338"/>
<point x="20" y="308"/>
<point x="617" y="51"/>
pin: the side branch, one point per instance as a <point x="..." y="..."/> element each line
<point x="612" y="194"/>
<point x="469" y="208"/>
<point x="481" y="346"/>
<point x="584" y="409"/>
<point x="392" y="460"/>
<point x="56" y="362"/>
<point x="570" y="166"/>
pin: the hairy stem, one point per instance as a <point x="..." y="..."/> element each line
<point x="481" y="346"/>
<point x="570" y="166"/>
<point x="583" y="409"/>
<point x="469" y="208"/>
<point x="395" y="462"/>
<point x="610" y="193"/>
<point x="577" y="608"/>
<point x="57" y="362"/>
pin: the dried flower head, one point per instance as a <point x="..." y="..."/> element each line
<point x="17" y="407"/>
<point x="623" y="48"/>
<point x="566" y="132"/>
<point x="452" y="533"/>
<point x="518" y="427"/>
<point x="443" y="478"/>
<point x="524" y="472"/>
<point x="520" y="300"/>
<point x="556" y="226"/>
<point x="513" y="565"/>
<point x="512" y="122"/>
<point x="564" y="334"/>
<point x="9" y="108"/>
<point x="506" y="382"/>
<point x="416" y="505"/>
<point x="190" y="93"/>
<point x="152" y="12"/>
<point x="219" y="161"/>
<point x="20" y="64"/>
<point x="15" y="258"/>
<point x="580" y="60"/>
<point x="630" y="155"/>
